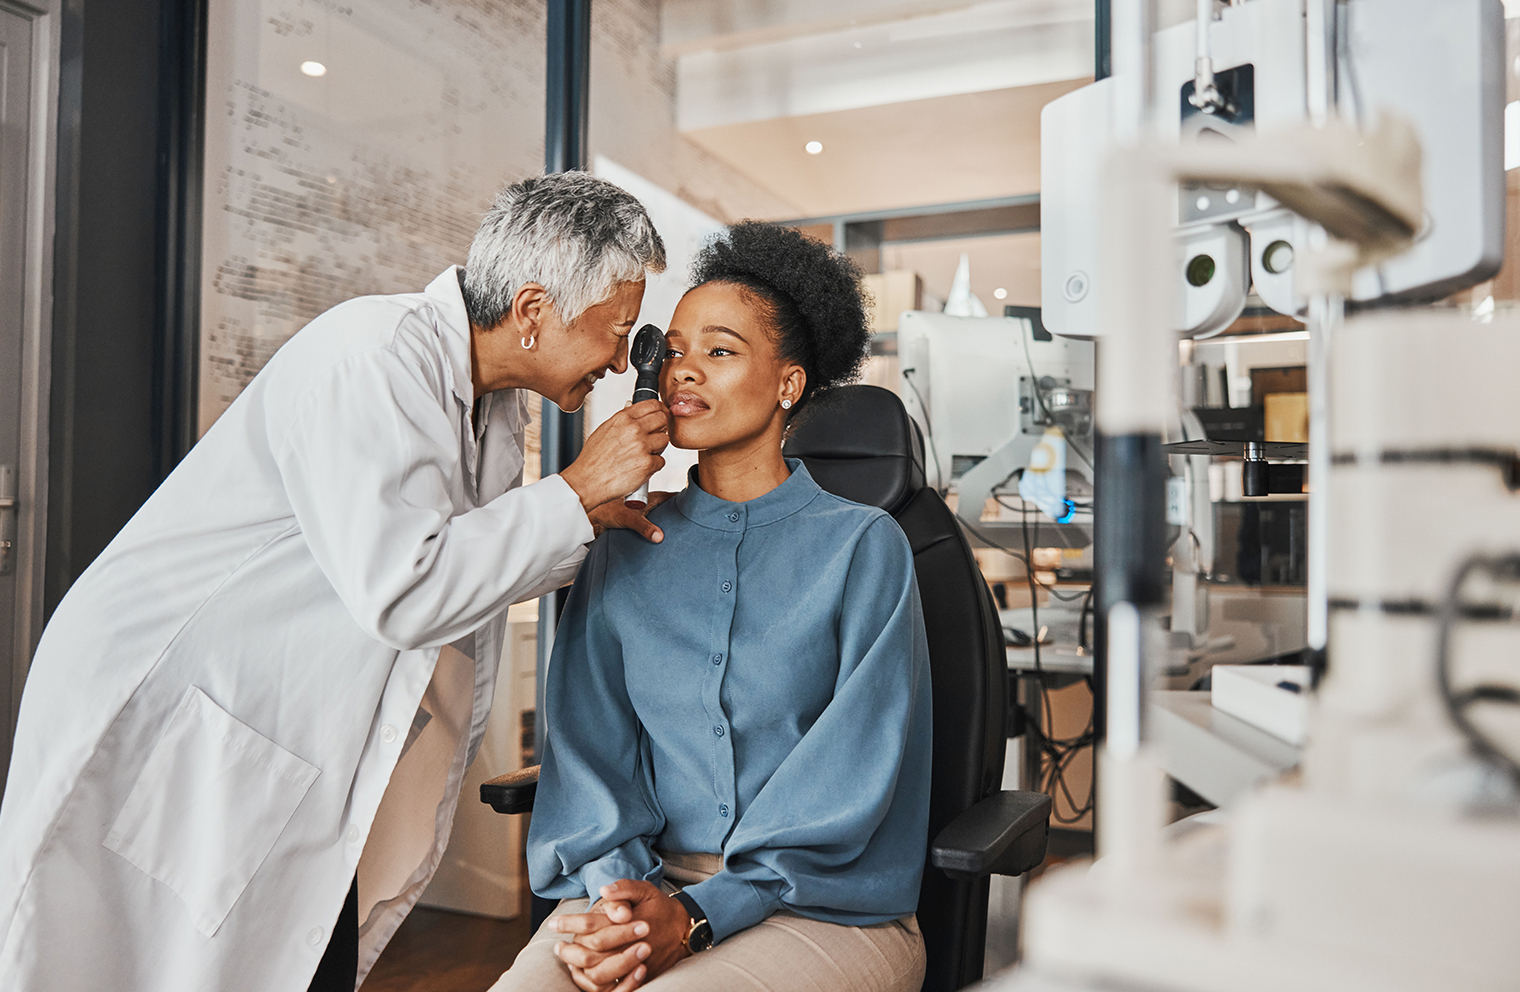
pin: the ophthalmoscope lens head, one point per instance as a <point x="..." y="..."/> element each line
<point x="648" y="350"/>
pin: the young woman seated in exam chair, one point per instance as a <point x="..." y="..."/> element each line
<point x="738" y="758"/>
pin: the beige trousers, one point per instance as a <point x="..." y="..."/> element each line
<point x="785" y="953"/>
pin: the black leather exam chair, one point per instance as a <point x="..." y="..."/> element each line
<point x="861" y="444"/>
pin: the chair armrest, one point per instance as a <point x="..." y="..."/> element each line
<point x="512" y="792"/>
<point x="1004" y="834"/>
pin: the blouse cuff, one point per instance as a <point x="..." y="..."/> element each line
<point x="605" y="871"/>
<point x="732" y="904"/>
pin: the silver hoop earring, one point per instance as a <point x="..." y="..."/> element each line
<point x="528" y="342"/>
<point x="786" y="404"/>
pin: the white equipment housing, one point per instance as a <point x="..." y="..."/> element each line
<point x="1393" y="864"/>
<point x="1445" y="76"/>
<point x="969" y="383"/>
<point x="1391" y="861"/>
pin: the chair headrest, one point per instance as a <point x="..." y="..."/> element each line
<point x="859" y="442"/>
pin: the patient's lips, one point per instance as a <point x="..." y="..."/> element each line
<point x="687" y="404"/>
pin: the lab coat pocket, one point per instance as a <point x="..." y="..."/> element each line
<point x="208" y="807"/>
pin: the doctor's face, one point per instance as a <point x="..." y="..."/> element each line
<point x="575" y="356"/>
<point x="724" y="377"/>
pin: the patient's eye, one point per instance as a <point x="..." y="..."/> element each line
<point x="719" y="351"/>
<point x="672" y="352"/>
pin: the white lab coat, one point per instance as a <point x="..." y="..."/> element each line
<point x="217" y="706"/>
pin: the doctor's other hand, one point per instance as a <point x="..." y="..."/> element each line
<point x="615" y="513"/>
<point x="620" y="455"/>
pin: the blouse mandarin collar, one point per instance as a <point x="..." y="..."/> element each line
<point x="447" y="297"/>
<point x="701" y="507"/>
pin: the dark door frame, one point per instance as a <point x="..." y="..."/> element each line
<point x="126" y="267"/>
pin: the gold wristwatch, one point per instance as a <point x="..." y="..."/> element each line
<point x="700" y="937"/>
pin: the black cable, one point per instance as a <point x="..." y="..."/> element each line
<point x="1039" y="395"/>
<point x="1034" y="378"/>
<point x="1060" y="752"/>
<point x="991" y="543"/>
<point x="1065" y="598"/>
<point x="940" y="483"/>
<point x="1082" y="618"/>
<point x="1034" y="597"/>
<point x="1058" y="781"/>
<point x="1504" y="568"/>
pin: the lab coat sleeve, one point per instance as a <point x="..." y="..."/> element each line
<point x="594" y="814"/>
<point x="839" y="831"/>
<point x="366" y="467"/>
<point x="561" y="575"/>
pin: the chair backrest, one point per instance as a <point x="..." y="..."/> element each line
<point x="859" y="442"/>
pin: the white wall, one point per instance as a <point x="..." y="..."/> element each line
<point x="684" y="230"/>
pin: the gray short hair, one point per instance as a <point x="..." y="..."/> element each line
<point x="574" y="234"/>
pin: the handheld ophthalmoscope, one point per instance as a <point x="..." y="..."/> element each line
<point x="646" y="356"/>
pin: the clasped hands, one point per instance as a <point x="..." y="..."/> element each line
<point x="632" y="934"/>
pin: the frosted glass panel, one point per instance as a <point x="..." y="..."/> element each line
<point x="350" y="149"/>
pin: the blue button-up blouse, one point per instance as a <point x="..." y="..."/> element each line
<point x="756" y="685"/>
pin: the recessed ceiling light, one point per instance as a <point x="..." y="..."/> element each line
<point x="1000" y="293"/>
<point x="814" y="147"/>
<point x="314" y="68"/>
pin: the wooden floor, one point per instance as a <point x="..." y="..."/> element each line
<point x="439" y="951"/>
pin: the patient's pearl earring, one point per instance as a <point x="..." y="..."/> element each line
<point x="786" y="404"/>
<point x="528" y="342"/>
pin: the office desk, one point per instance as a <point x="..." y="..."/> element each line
<point x="1214" y="754"/>
<point x="1061" y="659"/>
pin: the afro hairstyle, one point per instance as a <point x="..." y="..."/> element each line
<point x="811" y="293"/>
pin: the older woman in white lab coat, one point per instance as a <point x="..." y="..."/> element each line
<point x="271" y="682"/>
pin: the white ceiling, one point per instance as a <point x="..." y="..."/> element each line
<point x="986" y="46"/>
<point x="916" y="102"/>
<point x="946" y="149"/>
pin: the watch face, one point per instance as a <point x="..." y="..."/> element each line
<point x="701" y="938"/>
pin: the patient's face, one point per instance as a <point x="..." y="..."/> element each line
<point x="723" y="377"/>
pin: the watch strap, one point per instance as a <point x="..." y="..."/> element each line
<point x="699" y="936"/>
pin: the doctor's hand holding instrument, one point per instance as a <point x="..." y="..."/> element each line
<point x="646" y="356"/>
<point x="618" y="456"/>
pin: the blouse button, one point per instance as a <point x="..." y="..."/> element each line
<point x="314" y="935"/>
<point x="388" y="734"/>
<point x="718" y="731"/>
<point x="727" y="586"/>
<point x="733" y="518"/>
<point x="723" y="810"/>
<point x="717" y="659"/>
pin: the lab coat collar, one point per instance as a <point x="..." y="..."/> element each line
<point x="703" y="508"/>
<point x="454" y="331"/>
